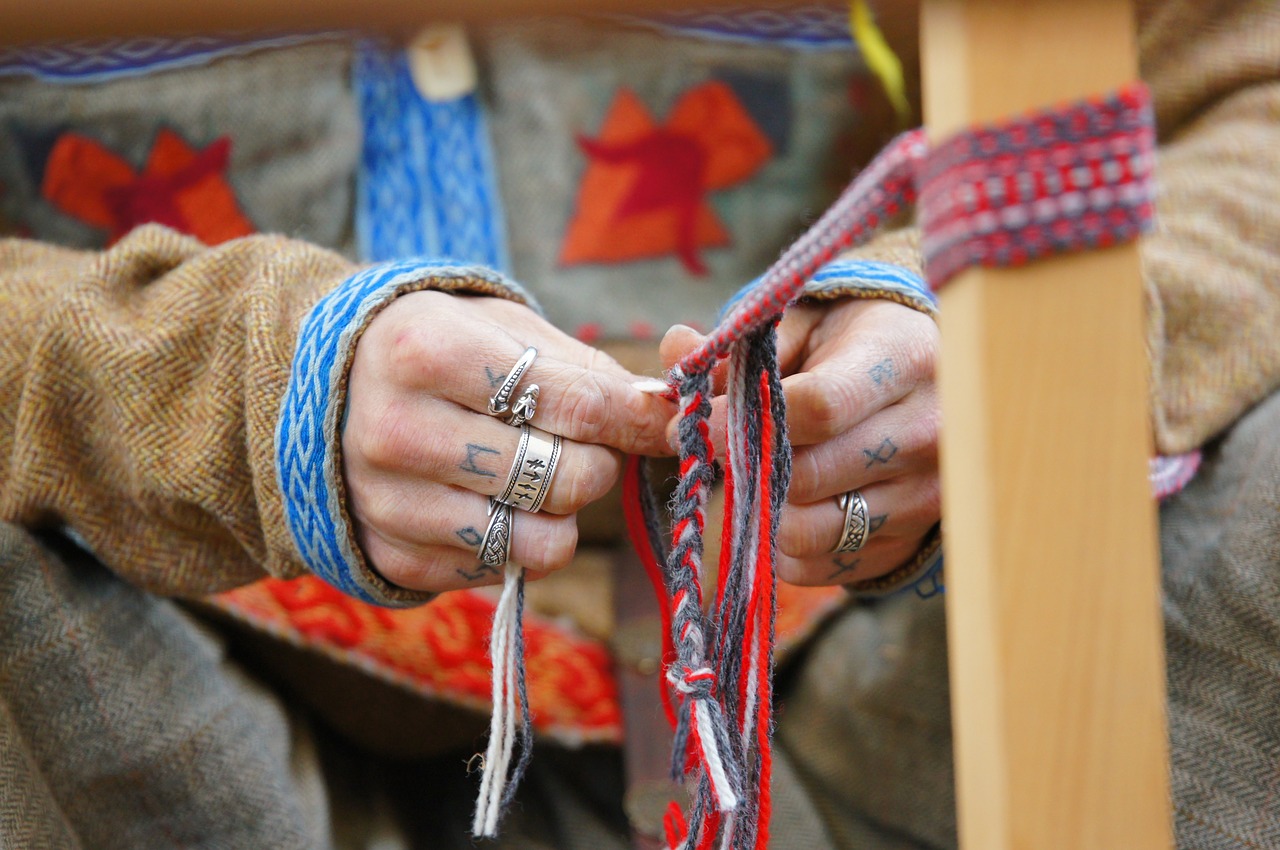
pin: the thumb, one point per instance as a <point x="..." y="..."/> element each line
<point x="678" y="341"/>
<point x="794" y="330"/>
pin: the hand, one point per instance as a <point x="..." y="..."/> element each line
<point x="421" y="455"/>
<point x="862" y="413"/>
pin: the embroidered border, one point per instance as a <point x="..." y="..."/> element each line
<point x="108" y="59"/>
<point x="306" y="434"/>
<point x="883" y="279"/>
<point x="427" y="183"/>
<point x="807" y="26"/>
<point x="858" y="278"/>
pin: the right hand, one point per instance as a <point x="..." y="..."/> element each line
<point x="421" y="456"/>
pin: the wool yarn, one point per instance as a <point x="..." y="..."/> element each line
<point x="1067" y="179"/>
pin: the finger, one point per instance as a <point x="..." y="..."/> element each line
<point x="900" y="509"/>
<point x="589" y="398"/>
<point x="865" y="367"/>
<point x="793" y="334"/>
<point x="437" y="569"/>
<point x="423" y="535"/>
<point x="899" y="440"/>
<point x="875" y="559"/>
<point x="581" y="402"/>
<point x="679" y="342"/>
<point x="836" y="392"/>
<point x="550" y="340"/>
<point x="469" y="450"/>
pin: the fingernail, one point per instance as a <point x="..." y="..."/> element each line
<point x="652" y="386"/>
<point x="684" y="328"/>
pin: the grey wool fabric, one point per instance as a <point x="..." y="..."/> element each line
<point x="124" y="723"/>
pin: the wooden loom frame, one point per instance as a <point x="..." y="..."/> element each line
<point x="1052" y="563"/>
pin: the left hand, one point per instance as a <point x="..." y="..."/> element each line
<point x="862" y="412"/>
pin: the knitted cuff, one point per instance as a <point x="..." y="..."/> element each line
<point x="923" y="573"/>
<point x="309" y="431"/>
<point x="852" y="278"/>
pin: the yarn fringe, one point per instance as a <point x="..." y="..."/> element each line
<point x="719" y="668"/>
<point x="510" y="719"/>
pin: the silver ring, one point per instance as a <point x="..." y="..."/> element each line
<point x="498" y="403"/>
<point x="854" y="534"/>
<point x="534" y="466"/>
<point x="495" y="546"/>
<point x="525" y="406"/>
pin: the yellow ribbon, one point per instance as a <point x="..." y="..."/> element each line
<point x="880" y="58"/>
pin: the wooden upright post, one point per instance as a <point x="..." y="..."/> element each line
<point x="1057" y="669"/>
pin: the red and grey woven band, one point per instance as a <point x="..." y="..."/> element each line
<point x="1073" y="178"/>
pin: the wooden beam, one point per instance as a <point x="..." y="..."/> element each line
<point x="1057" y="669"/>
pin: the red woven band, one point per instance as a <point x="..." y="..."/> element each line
<point x="1068" y="179"/>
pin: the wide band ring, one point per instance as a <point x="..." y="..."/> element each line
<point x="500" y="402"/>
<point x="534" y="466"/>
<point x="854" y="534"/>
<point x="495" y="546"/>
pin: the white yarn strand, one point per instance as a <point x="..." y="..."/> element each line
<point x="725" y="795"/>
<point x="502" y="724"/>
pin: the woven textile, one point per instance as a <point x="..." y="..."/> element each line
<point x="975" y="191"/>
<point x="1056" y="181"/>
<point x="427" y="184"/>
<point x="98" y="61"/>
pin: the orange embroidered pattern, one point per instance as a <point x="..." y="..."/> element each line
<point x="644" y="193"/>
<point x="441" y="649"/>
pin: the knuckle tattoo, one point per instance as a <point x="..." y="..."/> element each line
<point x="470" y="536"/>
<point x="882" y="453"/>
<point x="845" y="565"/>
<point x="478" y="461"/>
<point x="883" y="372"/>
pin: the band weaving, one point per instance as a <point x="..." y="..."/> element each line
<point x="1060" y="180"/>
<point x="1053" y="182"/>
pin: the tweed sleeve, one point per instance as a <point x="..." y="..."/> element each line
<point x="142" y="391"/>
<point x="1212" y="268"/>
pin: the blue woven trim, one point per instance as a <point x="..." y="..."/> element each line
<point x="844" y="275"/>
<point x="869" y="274"/>
<point x="109" y="59"/>
<point x="807" y="26"/>
<point x="427" y="183"/>
<point x="310" y="415"/>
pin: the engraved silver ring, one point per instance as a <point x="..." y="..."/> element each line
<point x="534" y="466"/>
<point x="500" y="402"/>
<point x="495" y="546"/>
<point x="524" y="407"/>
<point x="854" y="534"/>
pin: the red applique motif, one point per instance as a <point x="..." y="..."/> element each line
<point x="644" y="193"/>
<point x="179" y="186"/>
